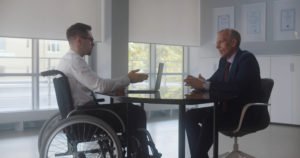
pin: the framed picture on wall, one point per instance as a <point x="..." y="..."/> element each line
<point x="254" y="22"/>
<point x="287" y="19"/>
<point x="286" y="22"/>
<point x="223" y="18"/>
<point x="223" y="21"/>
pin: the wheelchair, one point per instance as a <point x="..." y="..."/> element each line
<point x="74" y="133"/>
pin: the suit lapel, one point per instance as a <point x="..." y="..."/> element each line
<point x="222" y="70"/>
<point x="234" y="66"/>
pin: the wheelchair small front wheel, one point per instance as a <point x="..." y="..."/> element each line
<point x="82" y="136"/>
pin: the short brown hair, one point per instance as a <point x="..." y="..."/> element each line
<point x="78" y="29"/>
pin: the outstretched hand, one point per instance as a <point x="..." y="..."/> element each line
<point x="194" y="82"/>
<point x="135" y="77"/>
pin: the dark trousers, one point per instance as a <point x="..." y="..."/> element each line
<point x="134" y="118"/>
<point x="199" y="128"/>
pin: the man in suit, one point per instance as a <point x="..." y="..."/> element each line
<point x="238" y="75"/>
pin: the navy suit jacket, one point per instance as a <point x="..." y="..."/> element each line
<point x="244" y="82"/>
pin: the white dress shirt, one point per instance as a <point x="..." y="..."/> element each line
<point x="83" y="80"/>
<point x="231" y="59"/>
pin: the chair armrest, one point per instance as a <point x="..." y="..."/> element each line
<point x="244" y="110"/>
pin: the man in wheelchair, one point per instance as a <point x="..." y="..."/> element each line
<point x="82" y="81"/>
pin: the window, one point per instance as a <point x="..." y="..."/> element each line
<point x="2" y="44"/>
<point x="173" y="57"/>
<point x="139" y="58"/>
<point x="50" y="52"/>
<point x="16" y="74"/>
<point x="20" y="65"/>
<point x="17" y="57"/>
<point x="15" y="93"/>
<point x="147" y="56"/>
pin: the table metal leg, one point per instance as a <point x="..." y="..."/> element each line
<point x="181" y="132"/>
<point x="143" y="105"/>
<point x="215" y="134"/>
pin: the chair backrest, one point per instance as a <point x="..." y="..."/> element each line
<point x="266" y="89"/>
<point x="260" y="114"/>
<point x="62" y="91"/>
<point x="259" y="117"/>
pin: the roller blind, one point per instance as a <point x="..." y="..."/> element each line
<point x="47" y="19"/>
<point x="165" y="21"/>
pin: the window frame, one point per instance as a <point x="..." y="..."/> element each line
<point x="35" y="69"/>
<point x="152" y="73"/>
<point x="31" y="74"/>
<point x="34" y="74"/>
<point x="2" y="44"/>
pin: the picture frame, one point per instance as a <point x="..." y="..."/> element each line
<point x="286" y="22"/>
<point x="222" y="18"/>
<point x="254" y="22"/>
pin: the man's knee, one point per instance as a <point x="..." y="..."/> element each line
<point x="137" y="116"/>
<point x="138" y="111"/>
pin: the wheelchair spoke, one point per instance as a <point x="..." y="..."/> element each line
<point x="79" y="137"/>
<point x="59" y="145"/>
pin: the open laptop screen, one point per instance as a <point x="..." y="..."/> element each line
<point x="159" y="76"/>
<point x="157" y="82"/>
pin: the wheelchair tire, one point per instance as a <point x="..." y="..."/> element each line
<point x="82" y="136"/>
<point x="51" y="122"/>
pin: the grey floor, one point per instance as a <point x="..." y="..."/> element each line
<point x="277" y="141"/>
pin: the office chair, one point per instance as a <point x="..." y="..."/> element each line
<point x="262" y="122"/>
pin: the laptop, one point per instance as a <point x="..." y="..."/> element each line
<point x="157" y="82"/>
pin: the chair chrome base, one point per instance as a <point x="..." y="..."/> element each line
<point x="236" y="153"/>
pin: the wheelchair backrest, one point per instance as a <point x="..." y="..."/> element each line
<point x="62" y="91"/>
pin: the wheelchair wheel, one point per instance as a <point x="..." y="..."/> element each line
<point x="81" y="136"/>
<point x="51" y="122"/>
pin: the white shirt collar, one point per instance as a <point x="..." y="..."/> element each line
<point x="231" y="59"/>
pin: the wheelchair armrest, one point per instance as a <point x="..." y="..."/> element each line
<point x="99" y="100"/>
<point x="107" y="94"/>
<point x="51" y="73"/>
<point x="87" y="107"/>
<point x="244" y="110"/>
